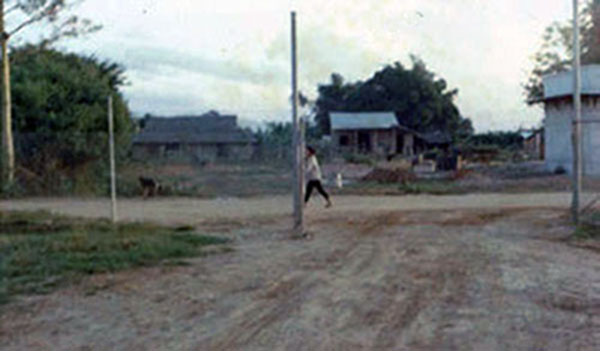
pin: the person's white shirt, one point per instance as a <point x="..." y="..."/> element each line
<point x="313" y="171"/>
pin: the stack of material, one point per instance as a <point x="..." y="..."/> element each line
<point x="426" y="166"/>
<point x="403" y="163"/>
<point x="390" y="175"/>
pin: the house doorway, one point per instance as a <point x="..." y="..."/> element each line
<point x="222" y="151"/>
<point x="400" y="144"/>
<point x="364" y="142"/>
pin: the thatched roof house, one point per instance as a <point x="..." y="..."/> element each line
<point x="208" y="137"/>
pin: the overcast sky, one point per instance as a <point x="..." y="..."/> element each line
<point x="189" y="56"/>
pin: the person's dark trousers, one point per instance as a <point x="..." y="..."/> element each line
<point x="316" y="184"/>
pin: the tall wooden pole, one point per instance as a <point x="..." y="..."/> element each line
<point x="113" y="175"/>
<point x="576" y="126"/>
<point x="297" y="140"/>
<point x="8" y="151"/>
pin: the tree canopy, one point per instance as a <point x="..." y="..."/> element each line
<point x="15" y="16"/>
<point x="421" y="100"/>
<point x="60" y="108"/>
<point x="500" y="139"/>
<point x="556" y="52"/>
<point x="55" y="14"/>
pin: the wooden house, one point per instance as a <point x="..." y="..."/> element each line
<point x="380" y="133"/>
<point x="376" y="133"/>
<point x="533" y="143"/>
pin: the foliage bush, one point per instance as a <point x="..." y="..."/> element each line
<point x="39" y="251"/>
<point x="495" y="140"/>
<point x="504" y="146"/>
<point x="60" y="120"/>
<point x="433" y="154"/>
<point x="359" y="159"/>
<point x="275" y="142"/>
<point x="433" y="187"/>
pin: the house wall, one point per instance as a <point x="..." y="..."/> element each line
<point x="383" y="142"/>
<point x="349" y="136"/>
<point x="408" y="146"/>
<point x="195" y="152"/>
<point x="222" y="151"/>
<point x="558" y="149"/>
<point x="146" y="151"/>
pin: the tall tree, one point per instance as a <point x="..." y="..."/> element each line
<point x="331" y="97"/>
<point x="55" y="13"/>
<point x="59" y="101"/>
<point x="556" y="52"/>
<point x="421" y="100"/>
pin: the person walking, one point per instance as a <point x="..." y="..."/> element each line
<point x="313" y="177"/>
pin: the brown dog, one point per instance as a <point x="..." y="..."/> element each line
<point x="150" y="187"/>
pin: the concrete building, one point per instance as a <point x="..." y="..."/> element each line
<point x="207" y="138"/>
<point x="558" y="108"/>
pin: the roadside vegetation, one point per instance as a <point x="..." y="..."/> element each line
<point x="40" y="251"/>
<point x="589" y="228"/>
<point x="60" y="124"/>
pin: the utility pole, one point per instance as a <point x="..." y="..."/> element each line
<point x="113" y="175"/>
<point x="8" y="151"/>
<point x="297" y="139"/>
<point x="576" y="126"/>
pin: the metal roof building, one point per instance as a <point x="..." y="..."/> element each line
<point x="371" y="132"/>
<point x="363" y="120"/>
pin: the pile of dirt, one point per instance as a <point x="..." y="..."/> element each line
<point x="390" y="175"/>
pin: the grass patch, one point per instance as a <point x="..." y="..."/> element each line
<point x="587" y="231"/>
<point x="589" y="227"/>
<point x="40" y="251"/>
<point x="360" y="159"/>
<point x="243" y="179"/>
<point x="432" y="187"/>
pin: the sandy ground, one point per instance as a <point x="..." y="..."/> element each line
<point x="385" y="273"/>
<point x="195" y="211"/>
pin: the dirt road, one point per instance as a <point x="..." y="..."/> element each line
<point x="190" y="210"/>
<point x="379" y="274"/>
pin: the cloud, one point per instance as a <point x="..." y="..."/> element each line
<point x="155" y="59"/>
<point x="235" y="54"/>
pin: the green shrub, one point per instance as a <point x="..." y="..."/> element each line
<point x="359" y="159"/>
<point x="39" y="251"/>
<point x="429" y="187"/>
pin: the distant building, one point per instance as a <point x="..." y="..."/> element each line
<point x="380" y="133"/>
<point x="370" y="132"/>
<point x="205" y="138"/>
<point x="559" y="112"/>
<point x="435" y="140"/>
<point x="533" y="143"/>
